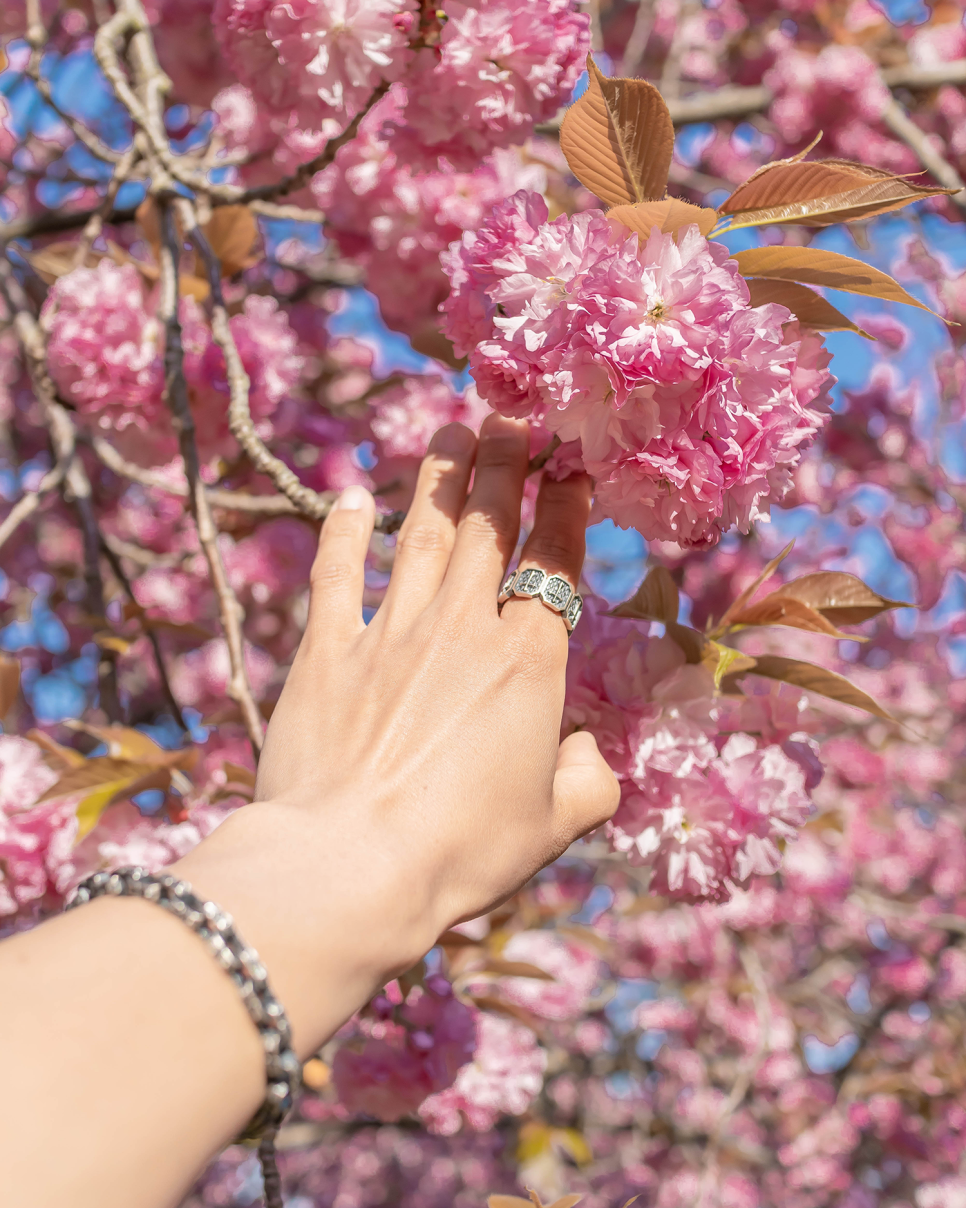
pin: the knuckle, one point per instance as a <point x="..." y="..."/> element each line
<point x="330" y="575"/>
<point x="423" y="537"/>
<point x="493" y="522"/>
<point x="501" y="451"/>
<point x="553" y="547"/>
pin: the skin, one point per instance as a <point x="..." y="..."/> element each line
<point x="411" y="778"/>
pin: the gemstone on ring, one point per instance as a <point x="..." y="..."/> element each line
<point x="528" y="582"/>
<point x="572" y="615"/>
<point x="556" y="593"/>
<point x="506" y="591"/>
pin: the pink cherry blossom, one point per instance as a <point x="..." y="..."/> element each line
<point x="104" y="347"/>
<point x="501" y="66"/>
<point x="505" y="1075"/>
<point x="575" y="971"/>
<point x="637" y="352"/>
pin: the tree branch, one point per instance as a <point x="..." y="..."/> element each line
<point x="176" y="395"/>
<point x="264" y="505"/>
<point x="27" y="504"/>
<point x="111" y="555"/>
<point x="309" y="502"/>
<point x="37" y="40"/>
<point x="895" y="118"/>
<point x="738" y="101"/>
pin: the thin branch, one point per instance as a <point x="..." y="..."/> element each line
<point x="51" y="222"/>
<point x="37" y="40"/>
<point x="176" y="395"/>
<point x="27" y="504"/>
<point x="539" y="460"/>
<point x="309" y="502"/>
<point x="115" y="562"/>
<point x="895" y="119"/>
<point x="268" y="209"/>
<point x="636" y="46"/>
<point x="264" y="505"/>
<point x="738" y="101"/>
<point x="95" y="224"/>
<point x="235" y="195"/>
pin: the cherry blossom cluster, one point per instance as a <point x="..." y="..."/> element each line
<point x="688" y="406"/>
<point x="469" y="77"/>
<point x="703" y="804"/>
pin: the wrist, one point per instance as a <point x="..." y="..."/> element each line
<point x="331" y="922"/>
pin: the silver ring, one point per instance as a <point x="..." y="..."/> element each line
<point x="552" y="590"/>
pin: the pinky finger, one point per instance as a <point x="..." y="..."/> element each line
<point x="338" y="572"/>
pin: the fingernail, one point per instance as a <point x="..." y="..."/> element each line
<point x="352" y="499"/>
<point x="454" y="440"/>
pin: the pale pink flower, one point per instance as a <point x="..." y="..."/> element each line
<point x="401" y="1062"/>
<point x="35" y="840"/>
<point x="267" y="346"/>
<point x="406" y="415"/>
<point x="501" y="67"/>
<point x="103" y="347"/>
<point x="322" y="58"/>
<point x="503" y="1078"/>
<point x="575" y="970"/>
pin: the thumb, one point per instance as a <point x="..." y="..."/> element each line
<point x="585" y="790"/>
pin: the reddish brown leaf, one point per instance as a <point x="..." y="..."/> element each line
<point x="805" y="304"/>
<point x="743" y="598"/>
<point x="779" y="609"/>
<point x="502" y="968"/>
<point x="238" y="775"/>
<point x="655" y="600"/>
<point x="123" y="742"/>
<point x="842" y="598"/>
<point x="232" y="233"/>
<point x="57" y="757"/>
<point x="818" y="193"/>
<point x="815" y="266"/>
<point x="618" y="139"/>
<point x="817" y="679"/>
<point x="456" y="939"/>
<point x="509" y="1010"/>
<point x="9" y="684"/>
<point x="670" y="216"/>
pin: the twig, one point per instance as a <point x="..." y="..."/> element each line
<point x="739" y="101"/>
<point x="152" y="636"/>
<point x="235" y="195"/>
<point x="539" y="460"/>
<point x="756" y="975"/>
<point x="176" y="395"/>
<point x="895" y="118"/>
<point x="27" y="504"/>
<point x="37" y="40"/>
<point x="95" y="224"/>
<point x="264" y="505"/>
<point x="636" y="46"/>
<point x="52" y="222"/>
<point x="309" y="502"/>
<point x="268" y="209"/>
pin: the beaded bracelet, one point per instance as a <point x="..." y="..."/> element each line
<point x="213" y="925"/>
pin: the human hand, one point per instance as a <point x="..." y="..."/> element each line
<point x="411" y="775"/>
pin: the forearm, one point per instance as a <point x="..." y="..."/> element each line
<point x="120" y="1033"/>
